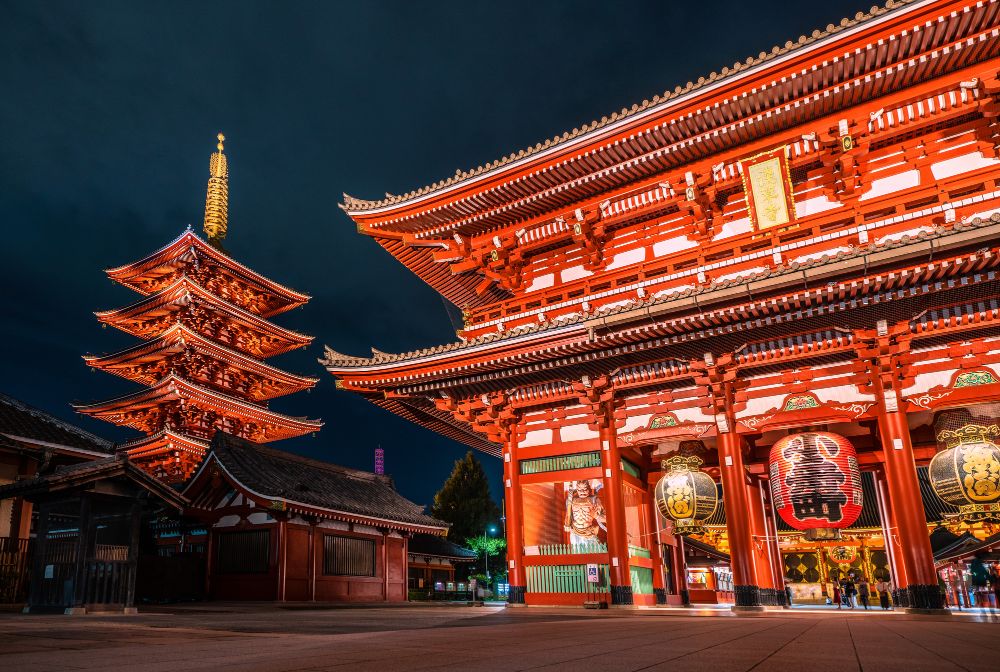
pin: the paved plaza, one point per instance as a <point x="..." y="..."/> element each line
<point x="266" y="637"/>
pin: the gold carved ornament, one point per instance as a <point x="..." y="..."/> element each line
<point x="217" y="196"/>
<point x="767" y="184"/>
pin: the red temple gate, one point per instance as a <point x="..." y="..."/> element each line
<point x="803" y="241"/>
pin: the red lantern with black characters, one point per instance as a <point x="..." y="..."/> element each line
<point x="816" y="483"/>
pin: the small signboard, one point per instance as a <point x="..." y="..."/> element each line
<point x="592" y="574"/>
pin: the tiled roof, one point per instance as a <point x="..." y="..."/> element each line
<point x="949" y="546"/>
<point x="352" y="204"/>
<point x="280" y="475"/>
<point x="439" y="547"/>
<point x="80" y="475"/>
<point x="18" y="419"/>
<point x="702" y="548"/>
<point x="338" y="360"/>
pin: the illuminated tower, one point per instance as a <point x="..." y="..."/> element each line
<point x="204" y="320"/>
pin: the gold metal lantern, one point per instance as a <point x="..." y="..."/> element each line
<point x="685" y="494"/>
<point x="966" y="473"/>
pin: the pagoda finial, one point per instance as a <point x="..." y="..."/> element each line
<point x="217" y="199"/>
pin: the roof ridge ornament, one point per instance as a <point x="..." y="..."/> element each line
<point x="217" y="197"/>
<point x="333" y="357"/>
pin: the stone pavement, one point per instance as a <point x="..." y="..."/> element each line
<point x="250" y="637"/>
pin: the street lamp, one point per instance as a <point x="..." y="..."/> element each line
<point x="486" y="550"/>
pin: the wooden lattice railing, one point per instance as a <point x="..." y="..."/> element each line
<point x="15" y="559"/>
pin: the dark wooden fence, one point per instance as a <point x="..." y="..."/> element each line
<point x="15" y="560"/>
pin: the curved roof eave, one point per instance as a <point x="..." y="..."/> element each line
<point x="356" y="207"/>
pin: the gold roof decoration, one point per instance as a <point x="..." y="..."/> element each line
<point x="217" y="197"/>
<point x="970" y="433"/>
<point x="354" y="204"/>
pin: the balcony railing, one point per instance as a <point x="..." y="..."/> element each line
<point x="565" y="549"/>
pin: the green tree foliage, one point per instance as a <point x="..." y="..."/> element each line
<point x="464" y="501"/>
<point x="485" y="544"/>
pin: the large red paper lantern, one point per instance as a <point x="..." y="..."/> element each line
<point x="816" y="483"/>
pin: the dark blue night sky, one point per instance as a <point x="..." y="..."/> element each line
<point x="108" y="114"/>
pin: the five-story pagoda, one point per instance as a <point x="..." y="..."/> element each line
<point x="204" y="318"/>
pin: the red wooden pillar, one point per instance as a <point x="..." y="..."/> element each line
<point x="738" y="525"/>
<point x="888" y="520"/>
<point x="20" y="513"/>
<point x="515" y="529"/>
<point x="614" y="506"/>
<point x="406" y="567"/>
<point x="385" y="565"/>
<point x="777" y="561"/>
<point x="282" y="558"/>
<point x="908" y="509"/>
<point x="763" y="559"/>
<point x="655" y="547"/>
<point x="681" y="571"/>
<point x="311" y="555"/>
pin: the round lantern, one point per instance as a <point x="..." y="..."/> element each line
<point x="685" y="494"/>
<point x="816" y="483"/>
<point x="967" y="473"/>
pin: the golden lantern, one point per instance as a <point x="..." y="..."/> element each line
<point x="685" y="494"/>
<point x="967" y="473"/>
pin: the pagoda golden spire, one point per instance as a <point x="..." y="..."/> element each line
<point x="217" y="198"/>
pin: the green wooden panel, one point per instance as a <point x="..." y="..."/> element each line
<point x="638" y="551"/>
<point x="631" y="468"/>
<point x="566" y="579"/>
<point x="561" y="463"/>
<point x="642" y="580"/>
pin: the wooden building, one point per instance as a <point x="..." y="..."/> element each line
<point x="32" y="442"/>
<point x="289" y="528"/>
<point x="431" y="563"/>
<point x="88" y="528"/>
<point x="805" y="240"/>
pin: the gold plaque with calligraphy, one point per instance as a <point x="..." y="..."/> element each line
<point x="768" y="187"/>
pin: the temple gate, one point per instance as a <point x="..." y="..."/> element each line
<point x="802" y="242"/>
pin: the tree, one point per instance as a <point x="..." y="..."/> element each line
<point x="464" y="501"/>
<point x="493" y="547"/>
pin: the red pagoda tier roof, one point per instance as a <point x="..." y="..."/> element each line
<point x="164" y="442"/>
<point x="168" y="455"/>
<point x="181" y="348"/>
<point x="186" y="253"/>
<point x="143" y="410"/>
<point x="188" y="302"/>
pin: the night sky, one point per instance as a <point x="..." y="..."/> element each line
<point x="108" y="114"/>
